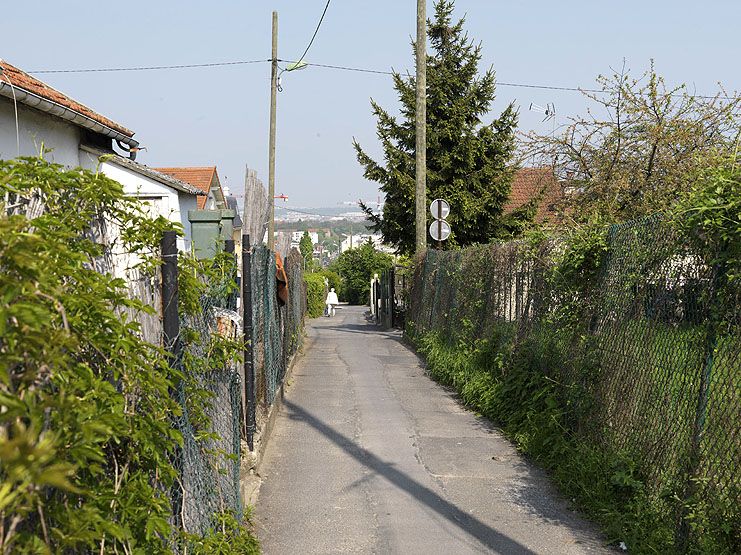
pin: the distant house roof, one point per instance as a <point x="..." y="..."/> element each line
<point x="37" y="94"/>
<point x="527" y="184"/>
<point x="146" y="171"/>
<point x="198" y="177"/>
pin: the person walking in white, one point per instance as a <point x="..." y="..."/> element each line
<point x="331" y="301"/>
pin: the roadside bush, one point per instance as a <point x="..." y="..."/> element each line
<point x="530" y="409"/>
<point x="357" y="266"/>
<point x="631" y="408"/>
<point x="87" y="432"/>
<point x="334" y="280"/>
<point x="315" y="294"/>
<point x="86" y="401"/>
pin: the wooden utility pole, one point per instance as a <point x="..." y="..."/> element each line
<point x="421" y="125"/>
<point x="271" y="147"/>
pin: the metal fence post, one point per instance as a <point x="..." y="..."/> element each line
<point x="170" y="318"/>
<point x="376" y="300"/>
<point x="392" y="295"/>
<point x="249" y="368"/>
<point x="682" y="537"/>
<point x="171" y="339"/>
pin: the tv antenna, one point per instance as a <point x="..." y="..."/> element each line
<point x="549" y="110"/>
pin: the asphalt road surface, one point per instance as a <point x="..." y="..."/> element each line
<point x="369" y="455"/>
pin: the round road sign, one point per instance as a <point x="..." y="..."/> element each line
<point x="439" y="209"/>
<point x="440" y="230"/>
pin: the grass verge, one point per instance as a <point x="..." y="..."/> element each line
<point x="523" y="391"/>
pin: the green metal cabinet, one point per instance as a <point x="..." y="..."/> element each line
<point x="209" y="230"/>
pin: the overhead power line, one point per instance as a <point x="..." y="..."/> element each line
<point x="148" y="68"/>
<point x="345" y="68"/>
<point x="340" y="68"/>
<point x="502" y="83"/>
<point x="286" y="208"/>
<point x="315" y="33"/>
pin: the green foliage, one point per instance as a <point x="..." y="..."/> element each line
<point x="710" y="214"/>
<point x="512" y="388"/>
<point x="334" y="279"/>
<point x="87" y="407"/>
<point x="86" y="431"/>
<point x="468" y="162"/>
<point x="306" y="247"/>
<point x="584" y="380"/>
<point x="315" y="294"/>
<point x="227" y="537"/>
<point x="356" y="267"/>
<point x="639" y="147"/>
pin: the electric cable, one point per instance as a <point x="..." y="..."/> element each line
<point x="345" y="68"/>
<point x="148" y="68"/>
<point x="299" y="211"/>
<point x="506" y="84"/>
<point x="315" y="33"/>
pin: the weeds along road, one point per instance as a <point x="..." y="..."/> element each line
<point x="369" y="455"/>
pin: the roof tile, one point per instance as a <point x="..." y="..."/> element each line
<point x="200" y="177"/>
<point x="527" y="184"/>
<point x="23" y="80"/>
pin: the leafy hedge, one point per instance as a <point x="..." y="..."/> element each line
<point x="542" y="378"/>
<point x="315" y="295"/>
<point x="86" y="433"/>
<point x="357" y="266"/>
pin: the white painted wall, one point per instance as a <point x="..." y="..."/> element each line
<point x="187" y="202"/>
<point x="164" y="200"/>
<point x="61" y="140"/>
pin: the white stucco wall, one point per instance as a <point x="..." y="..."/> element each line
<point x="164" y="200"/>
<point x="61" y="140"/>
<point x="187" y="202"/>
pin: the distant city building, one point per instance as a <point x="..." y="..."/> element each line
<point x="297" y="235"/>
<point x="354" y="241"/>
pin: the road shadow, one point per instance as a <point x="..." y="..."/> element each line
<point x="357" y="328"/>
<point x="472" y="526"/>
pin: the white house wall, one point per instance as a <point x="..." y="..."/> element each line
<point x="60" y="139"/>
<point x="187" y="202"/>
<point x="165" y="201"/>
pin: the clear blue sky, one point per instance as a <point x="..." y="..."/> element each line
<point x="220" y="115"/>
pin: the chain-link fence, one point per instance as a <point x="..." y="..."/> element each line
<point x="276" y="326"/>
<point x="210" y="398"/>
<point x="648" y="354"/>
<point x="208" y="463"/>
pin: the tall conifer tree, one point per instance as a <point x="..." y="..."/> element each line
<point x="468" y="162"/>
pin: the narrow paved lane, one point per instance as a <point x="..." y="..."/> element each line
<point x="369" y="455"/>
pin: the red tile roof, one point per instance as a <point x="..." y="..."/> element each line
<point x="198" y="177"/>
<point x="528" y="184"/>
<point x="23" y="80"/>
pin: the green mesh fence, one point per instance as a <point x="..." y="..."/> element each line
<point x="277" y="329"/>
<point x="208" y="462"/>
<point x="650" y="354"/>
<point x="296" y="308"/>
